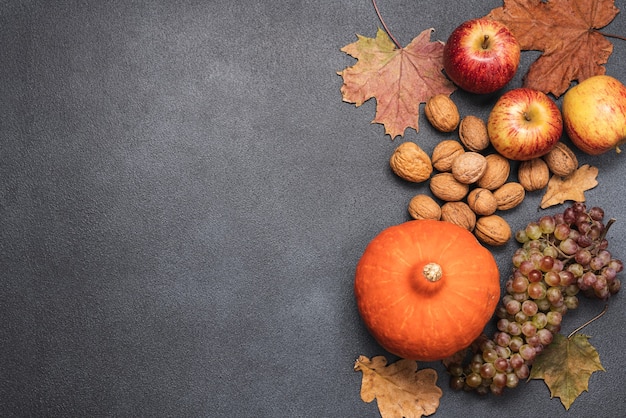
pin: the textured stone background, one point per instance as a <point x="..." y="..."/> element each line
<point x="183" y="200"/>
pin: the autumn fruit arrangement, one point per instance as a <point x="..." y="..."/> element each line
<point x="426" y="288"/>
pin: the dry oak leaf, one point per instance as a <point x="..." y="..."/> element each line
<point x="566" y="366"/>
<point x="566" y="32"/>
<point x="571" y="187"/>
<point x="401" y="390"/>
<point x="399" y="78"/>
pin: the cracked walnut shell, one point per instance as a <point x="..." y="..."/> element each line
<point x="442" y="113"/>
<point x="411" y="163"/>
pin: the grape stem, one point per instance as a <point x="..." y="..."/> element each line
<point x="384" y="25"/>
<point x="569" y="337"/>
<point x="606" y="228"/>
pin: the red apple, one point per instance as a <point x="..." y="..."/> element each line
<point x="481" y="56"/>
<point x="524" y="124"/>
<point x="594" y="114"/>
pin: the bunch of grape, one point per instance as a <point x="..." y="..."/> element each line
<point x="561" y="256"/>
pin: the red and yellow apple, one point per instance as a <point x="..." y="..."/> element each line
<point x="481" y="56"/>
<point x="524" y="124"/>
<point x="594" y="114"/>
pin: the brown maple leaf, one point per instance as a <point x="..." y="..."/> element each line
<point x="400" y="79"/>
<point x="571" y="187"/>
<point x="566" y="32"/>
<point x="399" y="388"/>
<point x="566" y="366"/>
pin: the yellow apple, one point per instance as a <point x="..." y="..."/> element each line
<point x="524" y="124"/>
<point x="594" y="114"/>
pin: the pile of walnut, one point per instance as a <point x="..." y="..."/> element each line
<point x="471" y="183"/>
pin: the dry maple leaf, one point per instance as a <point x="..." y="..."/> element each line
<point x="566" y="366"/>
<point x="571" y="187"/>
<point x="566" y="33"/>
<point x="399" y="78"/>
<point x="400" y="389"/>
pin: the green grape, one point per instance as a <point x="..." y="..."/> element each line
<point x="547" y="224"/>
<point x="533" y="231"/>
<point x="473" y="380"/>
<point x="511" y="380"/>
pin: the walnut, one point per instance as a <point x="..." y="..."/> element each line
<point x="411" y="163"/>
<point x="422" y="206"/>
<point x="509" y="195"/>
<point x="446" y="187"/>
<point x="442" y="113"/>
<point x="533" y="174"/>
<point x="482" y="201"/>
<point x="469" y="167"/>
<point x="458" y="213"/>
<point x="496" y="173"/>
<point x="473" y="133"/>
<point x="492" y="230"/>
<point x="561" y="160"/>
<point x="445" y="152"/>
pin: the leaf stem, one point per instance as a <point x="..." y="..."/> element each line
<point x="384" y="25"/>
<point x="612" y="35"/>
<point x="588" y="322"/>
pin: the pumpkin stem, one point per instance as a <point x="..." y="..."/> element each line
<point x="432" y="272"/>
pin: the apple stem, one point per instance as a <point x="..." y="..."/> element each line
<point x="485" y="40"/>
<point x="384" y="25"/>
<point x="527" y="116"/>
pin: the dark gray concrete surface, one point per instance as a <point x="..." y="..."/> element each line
<point x="183" y="200"/>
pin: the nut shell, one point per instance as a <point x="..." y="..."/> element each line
<point x="533" y="174"/>
<point x="492" y="230"/>
<point x="473" y="133"/>
<point x="442" y="113"/>
<point x="459" y="213"/>
<point x="422" y="206"/>
<point x="509" y="195"/>
<point x="447" y="188"/>
<point x="469" y="167"/>
<point x="482" y="201"/>
<point x="444" y="154"/>
<point x="411" y="163"/>
<point x="496" y="173"/>
<point x="561" y="160"/>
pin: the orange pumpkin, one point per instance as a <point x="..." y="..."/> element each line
<point x="426" y="289"/>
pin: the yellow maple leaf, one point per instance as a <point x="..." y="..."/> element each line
<point x="399" y="388"/>
<point x="399" y="78"/>
<point x="571" y="187"/>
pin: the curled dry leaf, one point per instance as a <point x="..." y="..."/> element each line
<point x="401" y="390"/>
<point x="571" y="187"/>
